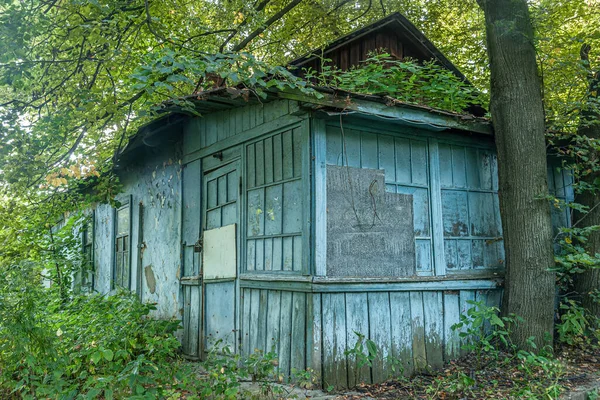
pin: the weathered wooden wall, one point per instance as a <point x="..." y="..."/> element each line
<point x="412" y="330"/>
<point x="453" y="183"/>
<point x="155" y="270"/>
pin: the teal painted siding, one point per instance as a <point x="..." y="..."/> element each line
<point x="470" y="208"/>
<point x="275" y="202"/>
<point x="210" y="129"/>
<point x="405" y="161"/>
<point x="276" y="320"/>
<point x="413" y="327"/>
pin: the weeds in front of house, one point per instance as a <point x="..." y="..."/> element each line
<point x="493" y="368"/>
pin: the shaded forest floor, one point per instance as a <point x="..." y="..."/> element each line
<point x="502" y="377"/>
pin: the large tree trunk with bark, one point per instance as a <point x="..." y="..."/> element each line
<point x="589" y="126"/>
<point x="518" y="117"/>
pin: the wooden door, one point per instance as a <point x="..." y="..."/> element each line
<point x="191" y="259"/>
<point x="220" y="253"/>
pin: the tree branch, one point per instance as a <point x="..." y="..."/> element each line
<point x="267" y="24"/>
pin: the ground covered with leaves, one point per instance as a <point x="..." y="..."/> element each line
<point x="504" y="377"/>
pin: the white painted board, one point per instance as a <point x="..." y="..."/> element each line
<point x="219" y="255"/>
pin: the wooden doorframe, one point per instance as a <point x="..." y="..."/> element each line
<point x="230" y="165"/>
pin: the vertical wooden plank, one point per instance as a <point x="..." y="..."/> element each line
<point x="423" y="256"/>
<point x="194" y="320"/>
<point x="297" y="152"/>
<point x="293" y="197"/>
<point x="418" y="161"/>
<point x="268" y="264"/>
<point x="320" y="151"/>
<point x="485" y="169"/>
<point x="436" y="210"/>
<point x="251" y="255"/>
<point x="351" y="142"/>
<point x="239" y="120"/>
<point x="334" y="144"/>
<point x="260" y="254"/>
<point x="277" y="263"/>
<point x="268" y="160"/>
<point x="211" y="130"/>
<point x="285" y="334"/>
<point x="255" y="345"/>
<point x="259" y="114"/>
<point x="277" y="158"/>
<point x="222" y="124"/>
<point x="298" y="348"/>
<point x="315" y="327"/>
<point x="450" y="254"/>
<point x="403" y="164"/>
<point x="369" y="151"/>
<point x="472" y="166"/>
<point x="335" y="368"/>
<point x="186" y="320"/>
<point x="459" y="168"/>
<point x="288" y="154"/>
<point x="297" y="262"/>
<point x="380" y="333"/>
<point x="250" y="167"/>
<point x="274" y="209"/>
<point x="401" y="330"/>
<point x="246" y="317"/>
<point x="418" y="331"/>
<point x="465" y="297"/>
<point x="260" y="163"/>
<point x="357" y="320"/>
<point x="451" y="317"/>
<point x="288" y="253"/>
<point x="386" y="157"/>
<point x="445" y="159"/>
<point x="434" y="328"/>
<point x="263" y="311"/>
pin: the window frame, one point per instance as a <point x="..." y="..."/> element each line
<point x="119" y="281"/>
<point x="87" y="242"/>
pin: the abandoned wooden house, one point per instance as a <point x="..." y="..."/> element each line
<point x="292" y="223"/>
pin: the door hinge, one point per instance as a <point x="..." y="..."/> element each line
<point x="240" y="186"/>
<point x="198" y="246"/>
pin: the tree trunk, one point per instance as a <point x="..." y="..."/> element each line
<point x="518" y="117"/>
<point x="589" y="126"/>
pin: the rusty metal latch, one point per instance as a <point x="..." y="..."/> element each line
<point x="198" y="246"/>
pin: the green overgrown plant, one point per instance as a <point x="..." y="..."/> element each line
<point x="406" y="80"/>
<point x="482" y="330"/>
<point x="363" y="353"/>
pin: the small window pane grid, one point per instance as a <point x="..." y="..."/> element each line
<point x="122" y="272"/>
<point x="274" y="203"/>
<point x="470" y="208"/>
<point x="468" y="192"/>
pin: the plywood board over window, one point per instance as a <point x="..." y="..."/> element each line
<point x="369" y="231"/>
<point x="220" y="253"/>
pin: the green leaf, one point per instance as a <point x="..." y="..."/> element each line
<point x="108" y="354"/>
<point x="96" y="357"/>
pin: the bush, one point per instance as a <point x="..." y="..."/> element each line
<point x="88" y="347"/>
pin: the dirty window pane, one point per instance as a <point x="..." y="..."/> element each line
<point x="123" y="221"/>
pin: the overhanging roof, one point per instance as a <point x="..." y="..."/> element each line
<point x="395" y="21"/>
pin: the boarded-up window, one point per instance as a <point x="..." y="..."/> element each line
<point x="122" y="271"/>
<point x="470" y="208"/>
<point x="406" y="166"/>
<point x="274" y="203"/>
